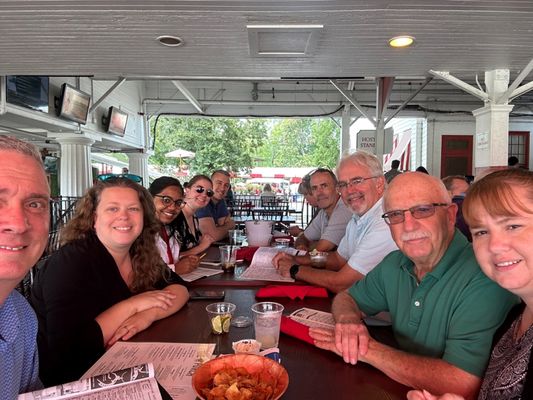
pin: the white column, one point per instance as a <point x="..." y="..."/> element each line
<point x="139" y="166"/>
<point x="492" y="136"/>
<point x="492" y="124"/>
<point x="345" y="129"/>
<point x="75" y="173"/>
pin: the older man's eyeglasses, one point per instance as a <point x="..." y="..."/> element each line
<point x="419" y="212"/>
<point x="167" y="201"/>
<point x="343" y="185"/>
<point x="201" y="189"/>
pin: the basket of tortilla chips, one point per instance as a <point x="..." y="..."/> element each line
<point x="240" y="377"/>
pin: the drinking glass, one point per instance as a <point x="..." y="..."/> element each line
<point x="236" y="237"/>
<point x="228" y="257"/>
<point x="219" y="315"/>
<point x="267" y="321"/>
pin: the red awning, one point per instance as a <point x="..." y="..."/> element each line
<point x="296" y="179"/>
<point x="256" y="175"/>
<point x="279" y="176"/>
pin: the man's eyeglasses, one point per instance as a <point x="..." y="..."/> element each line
<point x="167" y="201"/>
<point x="201" y="189"/>
<point x="342" y="185"/>
<point x="421" y="211"/>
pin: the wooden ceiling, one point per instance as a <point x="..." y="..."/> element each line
<point x="109" y="39"/>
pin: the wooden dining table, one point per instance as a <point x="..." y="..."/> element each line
<point x="313" y="373"/>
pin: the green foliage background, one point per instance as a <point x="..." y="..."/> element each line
<point x="240" y="144"/>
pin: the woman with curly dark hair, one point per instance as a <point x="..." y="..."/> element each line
<point x="106" y="283"/>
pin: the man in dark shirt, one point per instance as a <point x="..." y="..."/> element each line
<point x="215" y="218"/>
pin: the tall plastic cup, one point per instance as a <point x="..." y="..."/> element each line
<point x="228" y="257"/>
<point x="236" y="237"/>
<point x="267" y="320"/>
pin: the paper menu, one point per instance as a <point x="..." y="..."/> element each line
<point x="313" y="318"/>
<point x="261" y="267"/>
<point x="174" y="363"/>
<point x="200" y="272"/>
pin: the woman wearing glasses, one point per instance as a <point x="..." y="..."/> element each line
<point x="168" y="200"/>
<point x="106" y="283"/>
<point x="499" y="212"/>
<point x="198" y="192"/>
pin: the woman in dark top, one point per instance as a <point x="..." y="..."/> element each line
<point x="106" y="283"/>
<point x="198" y="193"/>
<point x="499" y="212"/>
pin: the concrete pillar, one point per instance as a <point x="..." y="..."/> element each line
<point x="139" y="166"/>
<point x="492" y="124"/>
<point x="345" y="131"/>
<point x="75" y="173"/>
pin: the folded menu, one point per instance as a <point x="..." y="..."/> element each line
<point x="291" y="291"/>
<point x="295" y="329"/>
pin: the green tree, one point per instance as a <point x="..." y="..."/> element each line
<point x="301" y="143"/>
<point x="217" y="142"/>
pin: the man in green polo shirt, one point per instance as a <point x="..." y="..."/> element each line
<point x="444" y="310"/>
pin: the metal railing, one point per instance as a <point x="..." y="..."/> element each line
<point x="298" y="208"/>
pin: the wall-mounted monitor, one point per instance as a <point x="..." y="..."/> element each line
<point x="73" y="104"/>
<point x="28" y="91"/>
<point x="115" y="121"/>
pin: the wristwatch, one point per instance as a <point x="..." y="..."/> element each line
<point x="294" y="270"/>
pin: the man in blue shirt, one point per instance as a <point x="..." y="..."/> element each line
<point x="24" y="216"/>
<point x="214" y="218"/>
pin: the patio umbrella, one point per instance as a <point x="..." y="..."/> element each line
<point x="180" y="153"/>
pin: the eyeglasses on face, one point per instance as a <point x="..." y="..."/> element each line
<point x="343" y="185"/>
<point x="201" y="189"/>
<point x="167" y="201"/>
<point x="421" y="211"/>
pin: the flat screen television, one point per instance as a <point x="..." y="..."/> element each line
<point x="28" y="91"/>
<point x="73" y="104"/>
<point x="116" y="121"/>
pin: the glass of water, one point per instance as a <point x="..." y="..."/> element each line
<point x="267" y="321"/>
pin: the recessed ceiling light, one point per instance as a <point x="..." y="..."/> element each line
<point x="401" y="41"/>
<point x="170" y="41"/>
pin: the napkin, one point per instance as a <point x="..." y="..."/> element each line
<point x="295" y="329"/>
<point x="292" y="291"/>
<point x="246" y="253"/>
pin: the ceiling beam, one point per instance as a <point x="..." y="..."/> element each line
<point x="109" y="91"/>
<point x="452" y="80"/>
<point x="383" y="92"/>
<point x="406" y="102"/>
<point x="521" y="90"/>
<point x="354" y="103"/>
<point x="189" y="96"/>
<point x="513" y="86"/>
